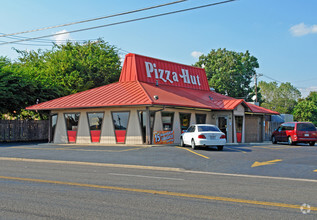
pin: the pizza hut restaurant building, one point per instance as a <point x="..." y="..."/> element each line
<point x="153" y="103"/>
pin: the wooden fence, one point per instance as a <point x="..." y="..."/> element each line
<point x="16" y="130"/>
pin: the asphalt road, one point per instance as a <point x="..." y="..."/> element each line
<point x="134" y="182"/>
<point x="286" y="161"/>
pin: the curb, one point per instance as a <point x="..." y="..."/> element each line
<point x="144" y="145"/>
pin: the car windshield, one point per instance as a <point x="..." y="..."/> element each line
<point x="306" y="127"/>
<point x="208" y="128"/>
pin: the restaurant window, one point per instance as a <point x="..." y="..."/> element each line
<point x="167" y="120"/>
<point x="120" y="123"/>
<point x="95" y="124"/>
<point x="53" y="126"/>
<point x="200" y="118"/>
<point x="143" y="118"/>
<point x="72" y="120"/>
<point x="239" y="125"/>
<point x="184" y="120"/>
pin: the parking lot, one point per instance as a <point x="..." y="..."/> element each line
<point x="279" y="160"/>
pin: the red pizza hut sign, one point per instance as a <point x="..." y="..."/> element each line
<point x="151" y="70"/>
<point x="168" y="75"/>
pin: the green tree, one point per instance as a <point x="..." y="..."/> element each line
<point x="63" y="70"/>
<point x="73" y="67"/>
<point x="312" y="97"/>
<point x="229" y="72"/>
<point x="17" y="90"/>
<point x="281" y="98"/>
<point x="306" y="109"/>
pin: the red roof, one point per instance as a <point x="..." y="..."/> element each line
<point x="130" y="91"/>
<point x="115" y="94"/>
<point x="258" y="109"/>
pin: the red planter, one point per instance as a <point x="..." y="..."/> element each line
<point x="95" y="136"/>
<point x="71" y="136"/>
<point x="120" y="136"/>
<point x="239" y="137"/>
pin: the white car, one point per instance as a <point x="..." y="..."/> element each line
<point x="203" y="135"/>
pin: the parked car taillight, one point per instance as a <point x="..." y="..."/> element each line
<point x="223" y="136"/>
<point x="201" y="136"/>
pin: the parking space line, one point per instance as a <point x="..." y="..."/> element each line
<point x="159" y="192"/>
<point x="279" y="147"/>
<point x="194" y="152"/>
<point x="234" y="149"/>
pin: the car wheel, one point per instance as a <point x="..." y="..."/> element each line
<point x="193" y="144"/>
<point x="312" y="143"/>
<point x="274" y="140"/>
<point x="220" y="148"/>
<point x="290" y="141"/>
<point x="182" y="143"/>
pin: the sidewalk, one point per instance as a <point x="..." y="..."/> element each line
<point x="150" y="145"/>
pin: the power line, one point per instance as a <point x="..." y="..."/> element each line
<point x="271" y="78"/>
<point x="123" y="22"/>
<point x="297" y="87"/>
<point x="94" y="19"/>
<point x="48" y="41"/>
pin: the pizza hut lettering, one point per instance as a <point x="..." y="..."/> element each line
<point x="168" y="76"/>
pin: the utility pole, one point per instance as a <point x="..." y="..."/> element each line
<point x="256" y="85"/>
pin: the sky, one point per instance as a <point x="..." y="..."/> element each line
<point x="281" y="34"/>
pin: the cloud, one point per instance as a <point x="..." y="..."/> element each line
<point x="196" y="54"/>
<point x="61" y="37"/>
<point x="305" y="91"/>
<point x="121" y="58"/>
<point x="302" y="29"/>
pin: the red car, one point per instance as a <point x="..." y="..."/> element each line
<point x="295" y="132"/>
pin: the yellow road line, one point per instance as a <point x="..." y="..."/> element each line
<point x="157" y="192"/>
<point x="234" y="149"/>
<point x="194" y="152"/>
<point x="73" y="149"/>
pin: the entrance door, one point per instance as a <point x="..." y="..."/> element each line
<point x="143" y="118"/>
<point x="223" y="124"/>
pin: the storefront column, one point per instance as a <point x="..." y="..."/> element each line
<point x="83" y="134"/>
<point x="148" y="127"/>
<point x="60" y="131"/>
<point x="50" y="128"/>
<point x="234" y="129"/>
<point x="243" y="130"/>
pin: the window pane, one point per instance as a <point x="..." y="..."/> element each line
<point x="184" y="120"/>
<point x="200" y="118"/>
<point x="306" y="127"/>
<point x="120" y="120"/>
<point x="239" y="123"/>
<point x="95" y="121"/>
<point x="72" y="121"/>
<point x="167" y="119"/>
<point x="207" y="128"/>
